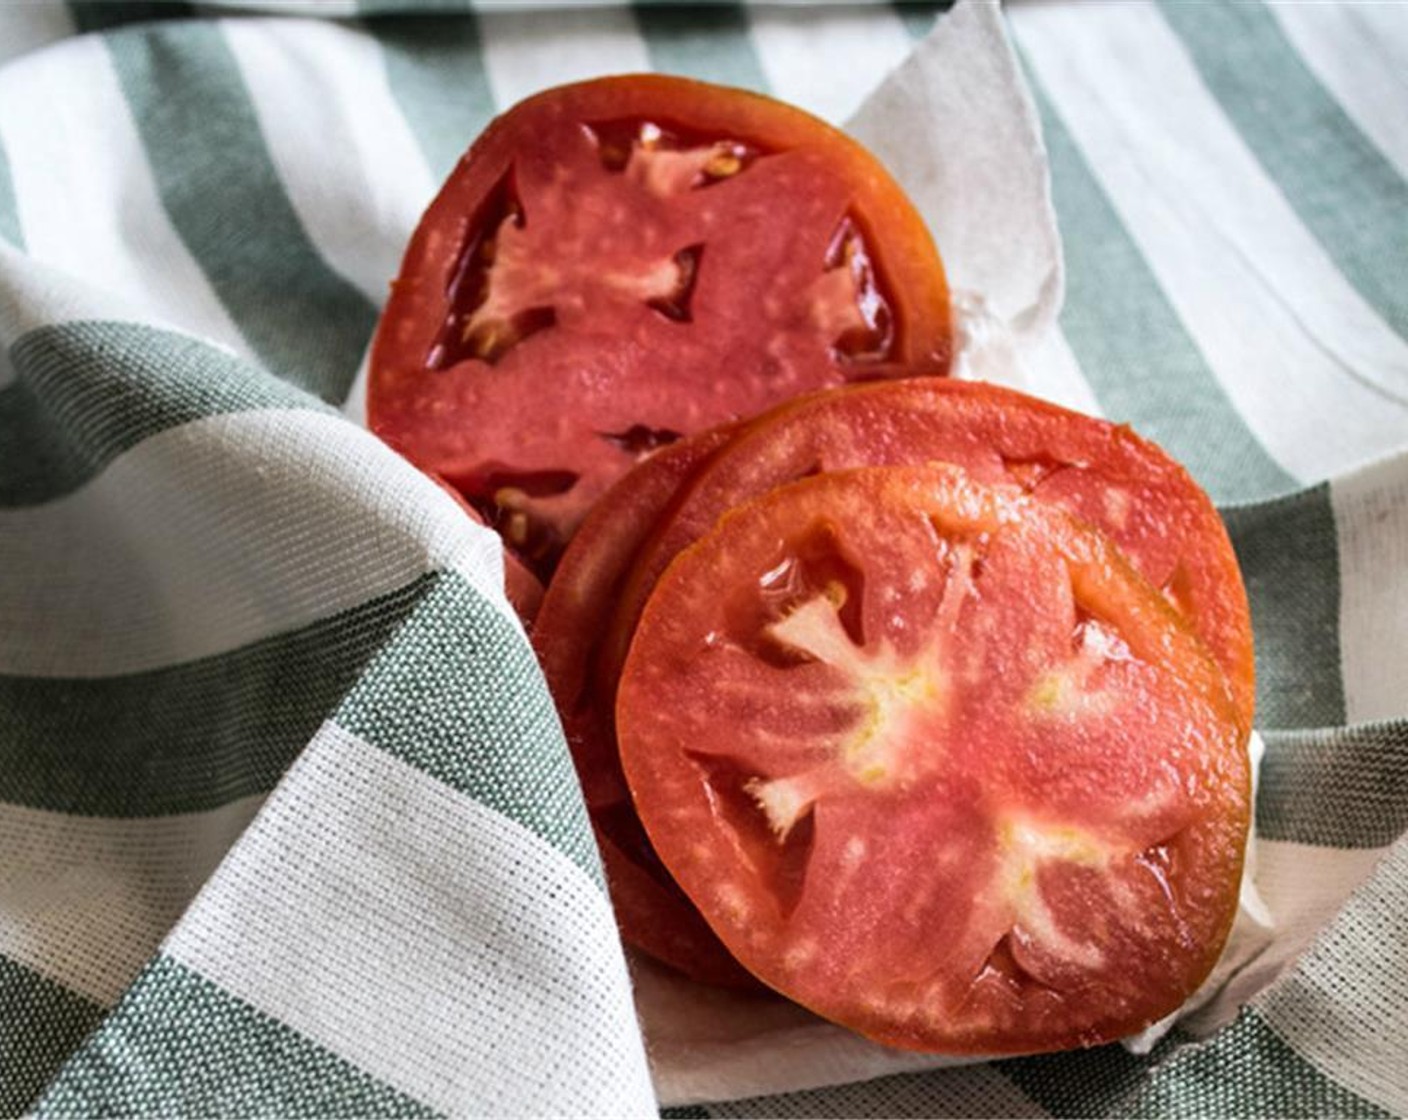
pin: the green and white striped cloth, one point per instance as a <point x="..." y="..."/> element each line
<point x="287" y="825"/>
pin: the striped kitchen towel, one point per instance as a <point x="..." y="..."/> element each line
<point x="287" y="826"/>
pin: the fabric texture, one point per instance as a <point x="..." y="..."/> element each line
<point x="287" y="823"/>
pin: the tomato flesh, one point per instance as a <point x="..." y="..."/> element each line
<point x="1100" y="472"/>
<point x="620" y="262"/>
<point x="996" y="806"/>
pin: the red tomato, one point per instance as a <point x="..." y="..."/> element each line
<point x="934" y="761"/>
<point x="1101" y="472"/>
<point x="652" y="911"/>
<point x="622" y="261"/>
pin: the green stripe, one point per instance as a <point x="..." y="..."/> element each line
<point x="1289" y="554"/>
<point x="1084" y="1082"/>
<point x="393" y="9"/>
<point x="1343" y="189"/>
<point x="1344" y="787"/>
<point x="190" y="737"/>
<point x="1244" y="1070"/>
<point x="105" y="15"/>
<point x="86" y="392"/>
<point x="1139" y="360"/>
<point x="41" y="1024"/>
<point x="436" y="74"/>
<point x="222" y="192"/>
<point x="459" y="695"/>
<point x="9" y="207"/>
<point x="179" y="1045"/>
<point x="709" y="42"/>
<point x="948" y="1092"/>
<point x="918" y="16"/>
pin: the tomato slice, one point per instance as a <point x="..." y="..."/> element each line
<point x="619" y="262"/>
<point x="935" y="762"/>
<point x="651" y="910"/>
<point x="1103" y="473"/>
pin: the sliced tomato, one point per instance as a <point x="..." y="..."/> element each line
<point x="619" y="262"/>
<point x="934" y="761"/>
<point x="1103" y="473"/>
<point x="651" y="910"/>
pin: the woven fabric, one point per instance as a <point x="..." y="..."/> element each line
<point x="287" y="824"/>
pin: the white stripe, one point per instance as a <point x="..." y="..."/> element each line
<point x="1384" y="23"/>
<point x="1345" y="1007"/>
<point x="347" y="159"/>
<point x="30" y="24"/>
<point x="220" y="532"/>
<point x="1371" y="523"/>
<point x="1303" y="887"/>
<point x="1317" y="376"/>
<point x="1360" y="56"/>
<point x="826" y="59"/>
<point x="86" y="900"/>
<point x="371" y="902"/>
<point x="87" y="202"/>
<point x="530" y="50"/>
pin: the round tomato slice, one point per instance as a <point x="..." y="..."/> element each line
<point x="653" y="913"/>
<point x="935" y="762"/>
<point x="619" y="262"/>
<point x="1103" y="473"/>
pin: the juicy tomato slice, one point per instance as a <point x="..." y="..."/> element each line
<point x="934" y="761"/>
<point x="1103" y="473"/>
<point x="619" y="262"/>
<point x="653" y="913"/>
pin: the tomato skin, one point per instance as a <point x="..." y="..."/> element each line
<point x="542" y="410"/>
<point x="653" y="913"/>
<point x="580" y="599"/>
<point x="1042" y="850"/>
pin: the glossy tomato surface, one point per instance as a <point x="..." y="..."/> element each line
<point x="936" y="762"/>
<point x="622" y="261"/>
<point x="653" y="913"/>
